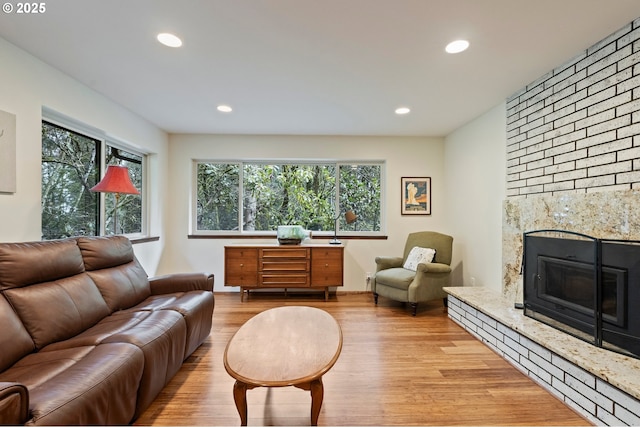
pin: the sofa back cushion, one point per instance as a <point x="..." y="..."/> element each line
<point x="15" y="341"/>
<point x="112" y="265"/>
<point x="23" y="264"/>
<point x="58" y="310"/>
<point x="46" y="285"/>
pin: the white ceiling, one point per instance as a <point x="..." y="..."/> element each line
<point x="325" y="67"/>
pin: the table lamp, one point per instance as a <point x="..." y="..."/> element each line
<point x="350" y="217"/>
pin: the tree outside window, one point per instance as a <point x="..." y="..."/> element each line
<point x="258" y="197"/>
<point x="71" y="165"/>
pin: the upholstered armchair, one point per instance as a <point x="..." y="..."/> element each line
<point x="425" y="283"/>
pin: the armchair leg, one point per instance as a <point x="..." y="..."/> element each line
<point x="414" y="308"/>
<point x="375" y="298"/>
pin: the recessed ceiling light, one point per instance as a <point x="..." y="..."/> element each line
<point x="170" y="40"/>
<point x="457" y="46"/>
<point x="403" y="110"/>
<point x="224" y="108"/>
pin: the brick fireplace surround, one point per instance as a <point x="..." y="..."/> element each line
<point x="573" y="163"/>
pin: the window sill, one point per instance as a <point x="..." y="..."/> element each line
<point x="146" y="239"/>
<point x="262" y="236"/>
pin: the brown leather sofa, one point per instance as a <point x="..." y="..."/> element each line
<point x="85" y="336"/>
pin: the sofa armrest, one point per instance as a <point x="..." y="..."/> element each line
<point x="433" y="267"/>
<point x="181" y="282"/>
<point x="384" y="262"/>
<point x="14" y="403"/>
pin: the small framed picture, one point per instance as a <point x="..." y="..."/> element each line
<point x="416" y="196"/>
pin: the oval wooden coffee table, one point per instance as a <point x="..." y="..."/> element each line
<point x="280" y="347"/>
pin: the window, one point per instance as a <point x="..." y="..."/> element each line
<point x="72" y="163"/>
<point x="255" y="197"/>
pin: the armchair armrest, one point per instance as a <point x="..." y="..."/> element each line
<point x="181" y="282"/>
<point x="433" y="267"/>
<point x="14" y="403"/>
<point x="384" y="262"/>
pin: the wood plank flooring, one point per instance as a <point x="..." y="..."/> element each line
<point x="394" y="369"/>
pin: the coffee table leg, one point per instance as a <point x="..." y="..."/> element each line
<point x="317" y="394"/>
<point x="240" y="397"/>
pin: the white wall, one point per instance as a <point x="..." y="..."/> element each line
<point x="26" y="85"/>
<point x="404" y="156"/>
<point x="474" y="177"/>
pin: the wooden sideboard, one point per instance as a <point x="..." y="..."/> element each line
<point x="283" y="267"/>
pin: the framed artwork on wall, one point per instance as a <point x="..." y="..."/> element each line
<point x="7" y="152"/>
<point x="416" y="196"/>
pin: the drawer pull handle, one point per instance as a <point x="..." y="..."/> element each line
<point x="326" y="265"/>
<point x="241" y="265"/>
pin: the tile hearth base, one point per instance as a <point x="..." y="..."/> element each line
<point x="599" y="384"/>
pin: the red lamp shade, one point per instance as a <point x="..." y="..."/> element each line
<point x="116" y="180"/>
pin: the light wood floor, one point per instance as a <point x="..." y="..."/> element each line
<point x="394" y="369"/>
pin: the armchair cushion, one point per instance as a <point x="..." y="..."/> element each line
<point x="418" y="255"/>
<point x="399" y="278"/>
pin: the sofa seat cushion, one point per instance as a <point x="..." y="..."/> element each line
<point x="81" y="386"/>
<point x="398" y="278"/>
<point x="160" y="335"/>
<point x="195" y="306"/>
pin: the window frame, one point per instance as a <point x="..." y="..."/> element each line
<point x="106" y="140"/>
<point x="193" y="216"/>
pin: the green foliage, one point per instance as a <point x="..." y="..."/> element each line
<point x="70" y="168"/>
<point x="287" y="194"/>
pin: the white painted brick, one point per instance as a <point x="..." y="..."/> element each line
<point x="559" y="77"/>
<point x="602" y="189"/>
<point x="516" y="124"/>
<point x="531" y="157"/>
<point x="618" y="396"/>
<point x="540" y="163"/>
<point x="628" y="177"/>
<point x="559" y="113"/>
<point x="543" y="145"/>
<point x="607" y="419"/>
<point x="609" y="125"/>
<point x="559" y="186"/>
<point x="531" y="173"/>
<point x="576" y="397"/>
<point x="613" y="37"/>
<point x="570" y="175"/>
<point x="539" y="130"/>
<point x="532" y="190"/>
<point x="596" y="98"/>
<point x="571" y="118"/>
<point x="560" y="149"/>
<point x="595" y="118"/>
<point x="632" y="130"/>
<point x="594" y="83"/>
<point x="570" y="137"/>
<point x="603" y="159"/>
<point x="531" y="92"/>
<point x="531" y="141"/>
<point x="517" y="169"/>
<point x="589" y="393"/>
<point x="619" y="146"/>
<point x="505" y="330"/>
<point x="547" y="179"/>
<point x="470" y="326"/>
<point x="629" y="84"/>
<point x="512" y="193"/>
<point x="627" y="108"/>
<point x="574" y="155"/>
<point x="507" y="351"/>
<point x="569" y="100"/>
<point x="487" y="337"/>
<point x="561" y="95"/>
<point x="536" y="370"/>
<point x="536" y="348"/>
<point x="609" y="56"/>
<point x="561" y="167"/>
<point x="629" y="61"/>
<point x="515" y="345"/>
<point x="488" y="320"/>
<point x="597" y="139"/>
<point x="575" y="371"/>
<point x="626" y="416"/>
<point x="517" y="184"/>
<point x="607" y="104"/>
<point x="613" y="168"/>
<point x="516" y="154"/>
<point x="595" y="181"/>
<point x="628" y="36"/>
<point x="546" y="365"/>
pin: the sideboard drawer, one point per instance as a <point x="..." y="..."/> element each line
<point x="283" y="280"/>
